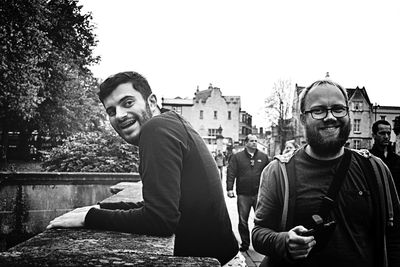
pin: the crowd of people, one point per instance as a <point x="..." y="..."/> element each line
<point x="320" y="204"/>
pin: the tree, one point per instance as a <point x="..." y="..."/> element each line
<point x="46" y="48"/>
<point x="97" y="151"/>
<point x="278" y="107"/>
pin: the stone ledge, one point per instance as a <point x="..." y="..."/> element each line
<point x="88" y="247"/>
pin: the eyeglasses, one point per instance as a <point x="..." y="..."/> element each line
<point x="320" y="113"/>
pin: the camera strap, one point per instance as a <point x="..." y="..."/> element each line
<point x="328" y="201"/>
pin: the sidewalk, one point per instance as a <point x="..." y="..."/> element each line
<point x="253" y="258"/>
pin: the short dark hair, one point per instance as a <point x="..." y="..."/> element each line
<point x="138" y="82"/>
<point x="303" y="95"/>
<point x="376" y="124"/>
<point x="246" y="139"/>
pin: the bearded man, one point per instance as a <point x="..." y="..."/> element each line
<point x="182" y="189"/>
<point x="325" y="205"/>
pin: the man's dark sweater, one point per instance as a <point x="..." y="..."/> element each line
<point x="247" y="171"/>
<point x="182" y="193"/>
<point x="392" y="161"/>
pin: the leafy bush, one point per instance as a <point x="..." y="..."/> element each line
<point x="99" y="151"/>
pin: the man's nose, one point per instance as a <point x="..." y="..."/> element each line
<point x="329" y="115"/>
<point x="120" y="112"/>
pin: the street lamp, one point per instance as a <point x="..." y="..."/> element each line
<point x="375" y="107"/>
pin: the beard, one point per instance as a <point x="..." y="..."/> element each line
<point x="145" y="115"/>
<point x="321" y="146"/>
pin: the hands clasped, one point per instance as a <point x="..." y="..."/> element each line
<point x="75" y="218"/>
<point x="298" y="246"/>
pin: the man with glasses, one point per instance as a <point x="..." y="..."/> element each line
<point x="382" y="148"/>
<point x="326" y="205"/>
<point x="246" y="167"/>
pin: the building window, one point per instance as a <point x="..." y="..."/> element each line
<point x="201" y="114"/>
<point x="356" y="144"/>
<point x="356" y="125"/>
<point x="212" y="132"/>
<point x="215" y="114"/>
<point x="177" y="109"/>
<point x="229" y="115"/>
<point x="357" y="105"/>
<point x="383" y="118"/>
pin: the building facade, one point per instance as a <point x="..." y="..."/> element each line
<point x="213" y="116"/>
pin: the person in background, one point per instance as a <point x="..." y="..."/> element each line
<point x="383" y="149"/>
<point x="332" y="208"/>
<point x="182" y="190"/>
<point x="220" y="160"/>
<point x="290" y="147"/>
<point x="246" y="167"/>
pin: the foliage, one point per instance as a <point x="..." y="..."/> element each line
<point x="279" y="104"/>
<point x="278" y="109"/>
<point x="98" y="151"/>
<point x="46" y="48"/>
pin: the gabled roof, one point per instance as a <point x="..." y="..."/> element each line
<point x="203" y="95"/>
<point x="351" y="92"/>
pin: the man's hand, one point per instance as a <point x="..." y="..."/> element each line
<point x="230" y="193"/>
<point x="75" y="218"/>
<point x="299" y="246"/>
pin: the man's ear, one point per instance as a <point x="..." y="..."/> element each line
<point x="303" y="119"/>
<point x="152" y="101"/>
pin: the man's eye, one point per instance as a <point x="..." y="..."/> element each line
<point x="128" y="103"/>
<point x="338" y="109"/>
<point x="318" y="111"/>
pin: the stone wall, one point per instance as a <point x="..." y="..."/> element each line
<point x="86" y="247"/>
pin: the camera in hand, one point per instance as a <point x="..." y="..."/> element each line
<point x="320" y="228"/>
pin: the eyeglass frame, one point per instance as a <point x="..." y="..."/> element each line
<point x="346" y="108"/>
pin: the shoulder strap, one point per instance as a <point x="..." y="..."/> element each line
<point x="383" y="187"/>
<point x="330" y="198"/>
<point x="285" y="196"/>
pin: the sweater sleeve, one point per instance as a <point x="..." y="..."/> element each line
<point x="161" y="152"/>
<point x="231" y="173"/>
<point x="266" y="237"/>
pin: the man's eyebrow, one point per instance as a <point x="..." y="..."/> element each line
<point x="126" y="97"/>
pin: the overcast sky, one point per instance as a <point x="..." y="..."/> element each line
<point x="243" y="47"/>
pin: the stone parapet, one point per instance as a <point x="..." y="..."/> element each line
<point x="87" y="247"/>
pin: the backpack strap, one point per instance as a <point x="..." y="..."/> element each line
<point x="328" y="201"/>
<point x="384" y="188"/>
<point x="282" y="166"/>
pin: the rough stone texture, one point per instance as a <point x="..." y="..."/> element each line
<point x="125" y="191"/>
<point x="86" y="247"/>
<point x="109" y="258"/>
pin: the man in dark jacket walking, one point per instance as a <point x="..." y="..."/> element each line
<point x="246" y="167"/>
<point x="381" y="133"/>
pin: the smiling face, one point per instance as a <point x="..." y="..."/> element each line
<point x="326" y="136"/>
<point x="127" y="111"/>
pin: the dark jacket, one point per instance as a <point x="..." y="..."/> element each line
<point x="392" y="161"/>
<point x="247" y="171"/>
<point x="182" y="193"/>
